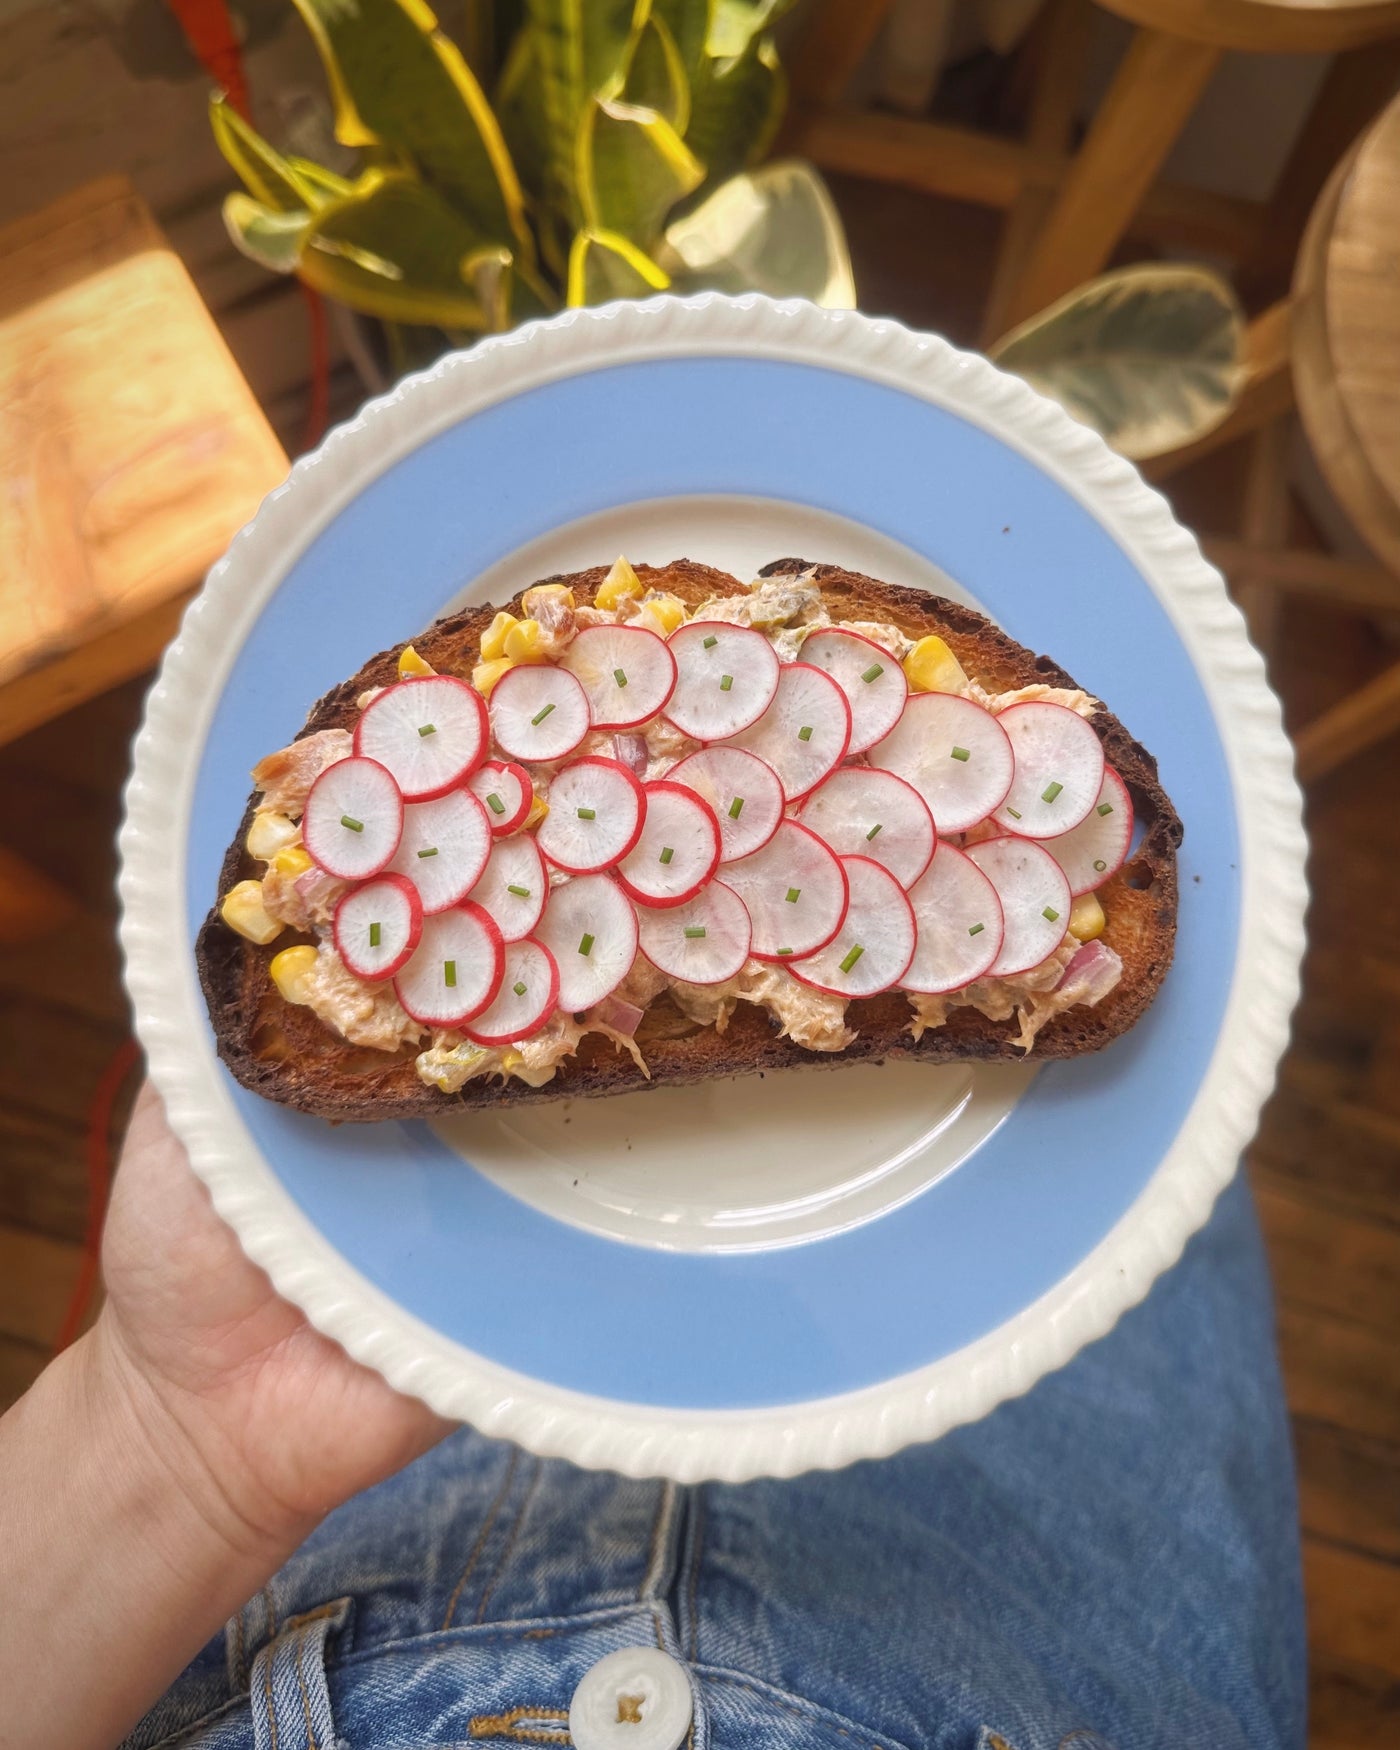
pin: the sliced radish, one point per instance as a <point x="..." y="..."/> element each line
<point x="678" y="850"/>
<point x="538" y="713"/>
<point x="455" y="970"/>
<point x="596" y="809"/>
<point x="376" y="927"/>
<point x="954" y="753"/>
<point x="861" y="811"/>
<point x="514" y="886"/>
<point x="804" y="733"/>
<point x="1098" y="847"/>
<point x="795" y="890"/>
<point x="959" y="921"/>
<point x="743" y="791"/>
<point x="504" y="790"/>
<point x="590" y="927"/>
<point x="725" y="678"/>
<point x="1035" y="901"/>
<point x="704" y="941"/>
<point x="430" y="732"/>
<point x="627" y="672"/>
<point x="528" y="996"/>
<point x="353" y="818"/>
<point x="444" y="848"/>
<point x="1059" y="769"/>
<point x="872" y="949"/>
<point x="868" y="675"/>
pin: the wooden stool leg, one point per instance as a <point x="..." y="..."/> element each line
<point x="1267" y="392"/>
<point x="835" y="42"/>
<point x="1264" y="524"/>
<point x="1369" y="715"/>
<point x="1152" y="95"/>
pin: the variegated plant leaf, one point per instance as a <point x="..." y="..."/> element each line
<point x="633" y="167"/>
<point x="604" y="266"/>
<point x="266" y="235"/>
<point x="581" y="52"/>
<point x="271" y="179"/>
<point x="735" y="109"/>
<point x="656" y="78"/>
<point x="772" y="230"/>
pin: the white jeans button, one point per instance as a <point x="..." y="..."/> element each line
<point x="635" y="1699"/>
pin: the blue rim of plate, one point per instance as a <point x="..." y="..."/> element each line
<point x="1056" y="539"/>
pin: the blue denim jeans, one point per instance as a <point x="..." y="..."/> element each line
<point x="1110" y="1560"/>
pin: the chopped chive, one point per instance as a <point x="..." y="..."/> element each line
<point x="1050" y="792"/>
<point x="694" y="931"/>
<point x="354" y="825"/>
<point x="666" y="854"/>
<point x="620" y="677"/>
<point x="852" y="957"/>
<point x="1015" y="813"/>
<point x="1104" y="808"/>
<point x="519" y="892"/>
<point x="588" y="814"/>
<point x="374" y="935"/>
<point x="793" y="894"/>
<point x="805" y="733"/>
<point x="431" y="851"/>
<point x="785" y="951"/>
<point x="427" y="729"/>
<point x="726" y="681"/>
<point x="519" y="987"/>
<point x="711" y="641"/>
<point x="976" y="929"/>
<point x="540" y="715"/>
<point x="494" y="803"/>
<point x="449" y="973"/>
<point x="961" y="753"/>
<point x="874" y="672"/>
<point x="585" y="944"/>
<point x="736" y="807"/>
<point x="1100" y="865"/>
<point x="874" y="829"/>
<point x="1051" y="913"/>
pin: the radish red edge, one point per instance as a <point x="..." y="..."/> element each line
<point x="655" y="704"/>
<point x="637" y="894"/>
<point x="459" y="1017"/>
<point x="805" y="977"/>
<point x="464" y="771"/>
<point x="505" y="823"/>
<point x="543" y="1014"/>
<point x="403" y="886"/>
<point x="609" y="862"/>
<point x="793" y="959"/>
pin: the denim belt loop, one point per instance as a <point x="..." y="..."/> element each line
<point x="287" y="1684"/>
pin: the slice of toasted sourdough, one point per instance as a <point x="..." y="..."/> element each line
<point x="285" y="1053"/>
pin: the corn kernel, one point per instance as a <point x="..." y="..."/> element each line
<point x="1086" y="919"/>
<point x="493" y="639"/>
<point x="538" y="809"/>
<point x="931" y="667"/>
<point x="290" y="970"/>
<point x="295" y="860"/>
<point x="662" y="613"/>
<point x="243" y="910"/>
<point x="547" y="595"/>
<point x="620" y="583"/>
<point x="486" y="674"/>
<point x="525" y="642"/>
<point x="270" y="833"/>
<point x="411" y="664"/>
<point x="511" y="1059"/>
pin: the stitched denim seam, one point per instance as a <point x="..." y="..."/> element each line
<point x="496" y="1633"/>
<point x="507" y="1552"/>
<point x="798" y="1705"/>
<point x="508" y="1725"/>
<point x="693" y="1580"/>
<point x="656" y="1544"/>
<point x="301" y="1645"/>
<point x="268" y="1701"/>
<point x="481" y="1537"/>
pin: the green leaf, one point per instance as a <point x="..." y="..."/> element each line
<point x="397" y="81"/>
<point x="325" y="182"/>
<point x="632" y="169"/>
<point x="273" y="180"/>
<point x="604" y="266"/>
<point x="1150" y="356"/>
<point x="520" y="109"/>
<point x="581" y="50"/>
<point x="775" y="230"/>
<point x="734" y="24"/>
<point x="689" y="24"/>
<point x="657" y="77"/>
<point x="271" y="238"/>
<point x="735" y="109"/>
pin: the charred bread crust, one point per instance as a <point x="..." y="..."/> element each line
<point x="284" y="1053"/>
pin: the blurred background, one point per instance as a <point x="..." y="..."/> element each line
<point x="224" y="225"/>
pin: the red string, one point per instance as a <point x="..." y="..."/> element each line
<point x="99" y="1174"/>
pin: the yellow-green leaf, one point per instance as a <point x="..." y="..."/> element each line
<point x="775" y="230"/>
<point x="735" y="109"/>
<point x="1150" y="356"/>
<point x="268" y="176"/>
<point x="271" y="238"/>
<point x="397" y="81"/>
<point x="581" y="52"/>
<point x="519" y="102"/>
<point x="657" y="78"/>
<point x="330" y="186"/>
<point x="604" y="266"/>
<point x="689" y="24"/>
<point x="735" y="23"/>
<point x="632" y="169"/>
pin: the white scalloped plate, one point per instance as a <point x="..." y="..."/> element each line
<point x="753" y="1278"/>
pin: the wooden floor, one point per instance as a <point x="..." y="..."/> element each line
<point x="1325" y="1167"/>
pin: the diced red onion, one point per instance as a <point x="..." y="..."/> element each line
<point x="631" y="751"/>
<point x="1093" y="973"/>
<point x="620" y="1016"/>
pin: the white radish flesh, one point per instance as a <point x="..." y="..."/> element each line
<point x="627" y="672"/>
<point x="954" y="753"/>
<point x="1059" y="770"/>
<point x="678" y="850"/>
<point x="725" y="678"/>
<point x="504" y="790"/>
<point x="861" y="811"/>
<point x="868" y="675"/>
<point x="430" y="732"/>
<point x="795" y="890"/>
<point x="353" y="819"/>
<point x="704" y="941"/>
<point x="514" y="886"/>
<point x="596" y="809"/>
<point x="455" y="970"/>
<point x="444" y="848"/>
<point x="1098" y="847"/>
<point x="590" y="927"/>
<point x="377" y="926"/>
<point x="959" y="924"/>
<point x="538" y="713"/>
<point x="528" y="996"/>
<point x="804" y="733"/>
<point x="743" y="791"/>
<point x="1035" y="901"/>
<point x="873" y="947"/>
